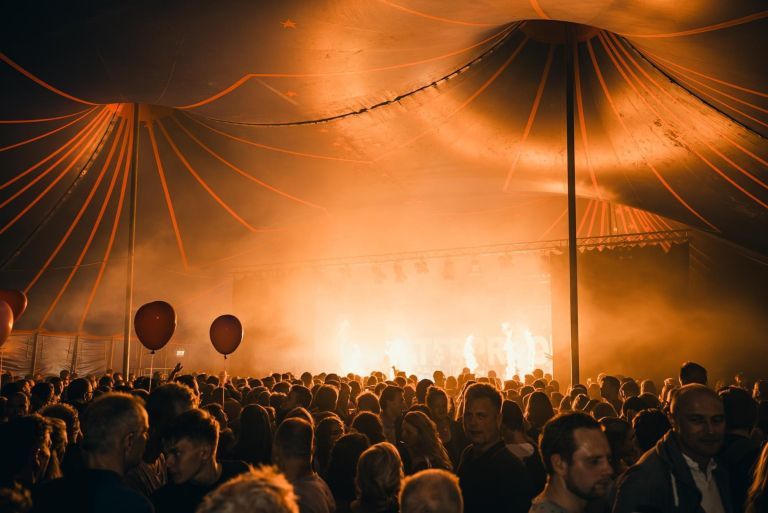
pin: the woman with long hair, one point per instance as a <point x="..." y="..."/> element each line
<point x="537" y="412"/>
<point x="449" y="430"/>
<point x="378" y="480"/>
<point x="327" y="432"/>
<point x="420" y="437"/>
<point x="757" y="499"/>
<point x="342" y="467"/>
<point x="255" y="443"/>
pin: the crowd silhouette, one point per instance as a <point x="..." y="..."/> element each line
<point x="330" y="443"/>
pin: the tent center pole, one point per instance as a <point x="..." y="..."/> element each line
<point x="131" y="243"/>
<point x="571" y="49"/>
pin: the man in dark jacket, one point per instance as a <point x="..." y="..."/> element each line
<point x="492" y="479"/>
<point x="680" y="473"/>
<point x="115" y="435"/>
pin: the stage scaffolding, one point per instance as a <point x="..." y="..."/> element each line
<point x="555" y="246"/>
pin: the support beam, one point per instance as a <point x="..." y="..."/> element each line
<point x="131" y="244"/>
<point x="75" y="351"/>
<point x="33" y="365"/>
<point x="111" y="360"/>
<point x="571" y="50"/>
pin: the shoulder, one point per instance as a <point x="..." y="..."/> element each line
<point x="503" y="457"/>
<point x="121" y="500"/>
<point x="544" y="506"/>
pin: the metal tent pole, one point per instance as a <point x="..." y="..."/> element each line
<point x="570" y="53"/>
<point x="131" y="243"/>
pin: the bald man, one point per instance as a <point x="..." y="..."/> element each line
<point x="680" y="473"/>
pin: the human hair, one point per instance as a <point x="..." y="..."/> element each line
<point x="651" y="400"/>
<point x="218" y="414"/>
<point x="282" y="386"/>
<point x="421" y="390"/>
<point x="616" y="431"/>
<point x="254" y="444"/>
<point x="477" y="391"/>
<point x="630" y="389"/>
<point x="324" y="440"/>
<point x="190" y="381"/>
<point x="539" y="410"/>
<point x="59" y="437"/>
<point x="20" y="438"/>
<point x="168" y="401"/>
<point x="42" y="394"/>
<point x="389" y="394"/>
<point x="79" y="389"/>
<point x="261" y="489"/>
<point x="603" y="410"/>
<point x="294" y="438"/>
<point x="691" y="372"/>
<point x="433" y="393"/>
<point x="648" y="386"/>
<point x="370" y="425"/>
<point x="428" y="444"/>
<point x="303" y="395"/>
<point x="342" y="465"/>
<point x="610" y="383"/>
<point x="431" y="491"/>
<point x="740" y="408"/>
<point x="379" y="477"/>
<point x="633" y="403"/>
<point x="756" y="494"/>
<point x="326" y="397"/>
<point x="512" y="416"/>
<point x="66" y="413"/>
<point x="196" y="425"/>
<point x="108" y="418"/>
<point x="367" y="401"/>
<point x="557" y="437"/>
<point x="650" y="425"/>
<point x="277" y="399"/>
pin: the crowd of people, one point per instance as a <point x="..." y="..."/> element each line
<point x="193" y="442"/>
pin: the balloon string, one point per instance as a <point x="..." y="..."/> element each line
<point x="223" y="381"/>
<point x="151" y="368"/>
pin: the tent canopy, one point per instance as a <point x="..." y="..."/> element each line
<point x="272" y="125"/>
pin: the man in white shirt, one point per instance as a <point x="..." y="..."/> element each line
<point x="680" y="473"/>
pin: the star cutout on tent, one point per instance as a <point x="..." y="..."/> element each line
<point x="289" y="24"/>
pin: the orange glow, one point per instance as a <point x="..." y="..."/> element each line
<point x="469" y="354"/>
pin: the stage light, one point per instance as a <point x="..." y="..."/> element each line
<point x="421" y="267"/>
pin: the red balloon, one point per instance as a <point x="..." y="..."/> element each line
<point x="6" y="321"/>
<point x="16" y="299"/>
<point x="226" y="334"/>
<point x="154" y="324"/>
